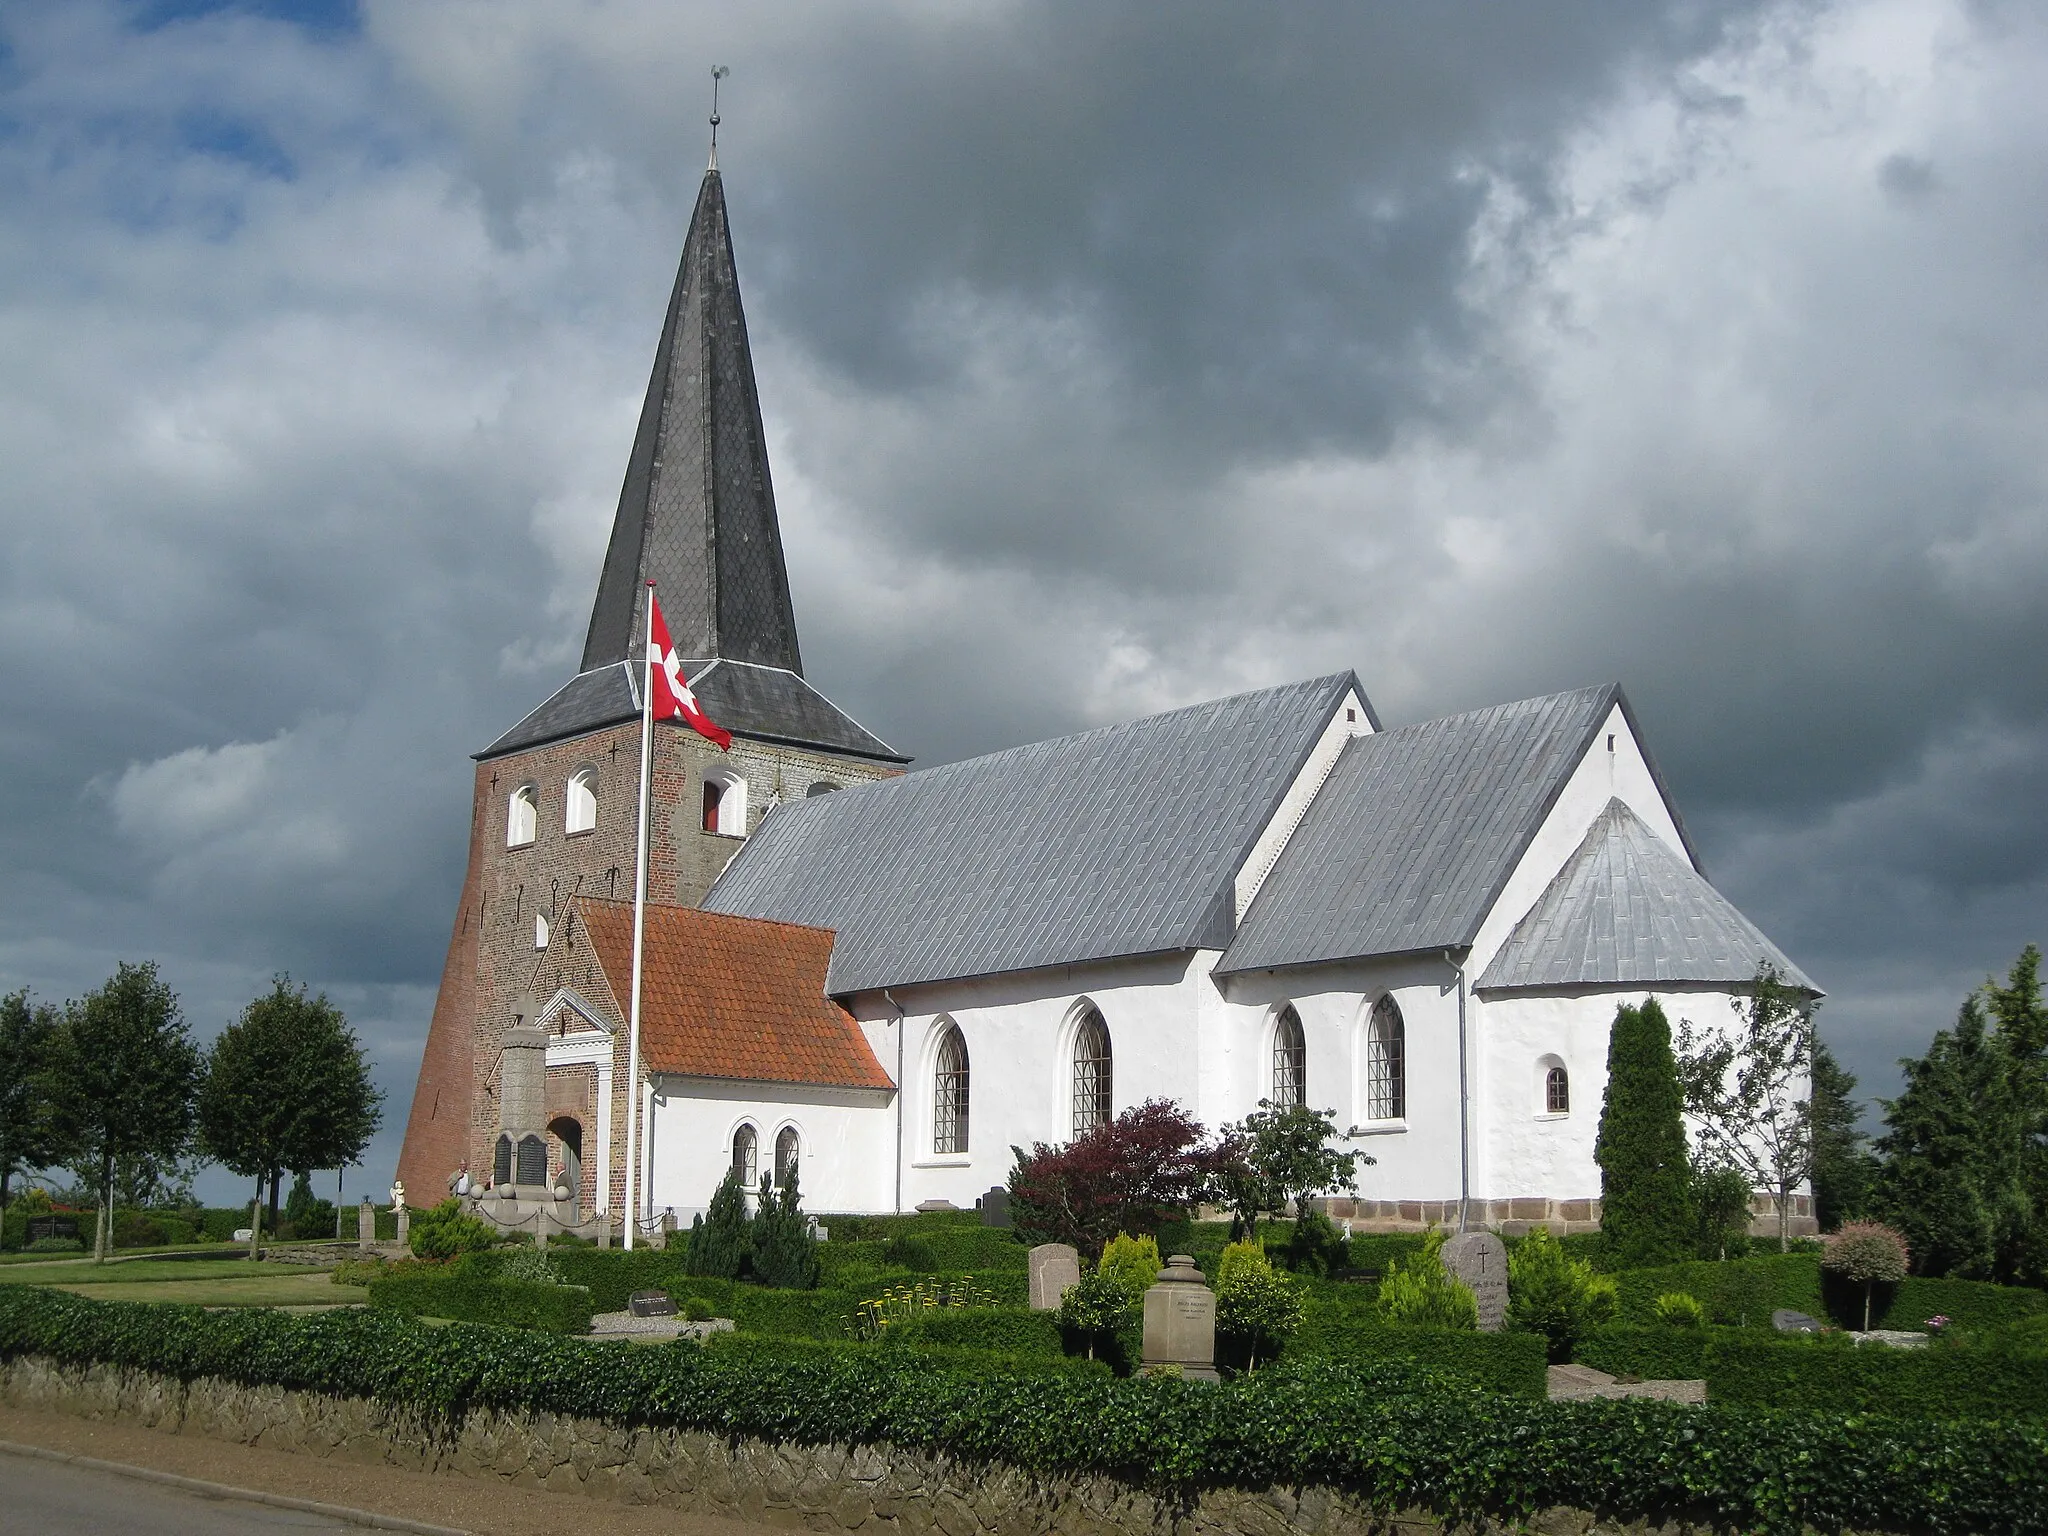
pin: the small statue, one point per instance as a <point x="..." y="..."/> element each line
<point x="398" y="1194"/>
<point x="460" y="1185"/>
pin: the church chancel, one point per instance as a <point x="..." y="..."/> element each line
<point x="895" y="977"/>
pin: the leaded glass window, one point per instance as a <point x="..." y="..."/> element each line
<point x="1092" y="1074"/>
<point x="1557" y="1092"/>
<point x="785" y="1156"/>
<point x="744" y="1151"/>
<point x="949" y="1094"/>
<point x="1290" y="1061"/>
<point x="1386" y="1063"/>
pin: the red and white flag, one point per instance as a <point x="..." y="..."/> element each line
<point x="669" y="694"/>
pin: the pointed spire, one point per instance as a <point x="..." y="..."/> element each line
<point x="697" y="512"/>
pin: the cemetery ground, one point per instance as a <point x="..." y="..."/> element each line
<point x="919" y="1332"/>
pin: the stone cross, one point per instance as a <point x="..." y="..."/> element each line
<point x="1055" y="1268"/>
<point x="1180" y="1321"/>
<point x="1479" y="1261"/>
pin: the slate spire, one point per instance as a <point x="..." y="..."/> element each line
<point x="697" y="514"/>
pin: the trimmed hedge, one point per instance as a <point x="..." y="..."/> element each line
<point x="1402" y="1437"/>
<point x="1013" y="1331"/>
<point x="477" y="1298"/>
<point x="1513" y="1364"/>
<point x="1829" y="1373"/>
<point x="613" y="1275"/>
<point x="1744" y="1293"/>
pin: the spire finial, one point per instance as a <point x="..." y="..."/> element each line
<point x="718" y="73"/>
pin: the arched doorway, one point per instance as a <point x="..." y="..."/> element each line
<point x="569" y="1134"/>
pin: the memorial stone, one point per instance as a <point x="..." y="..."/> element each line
<point x="1785" y="1320"/>
<point x="1180" y="1322"/>
<point x="1055" y="1267"/>
<point x="366" y="1224"/>
<point x="651" y="1304"/>
<point x="1479" y="1262"/>
<point x="995" y="1208"/>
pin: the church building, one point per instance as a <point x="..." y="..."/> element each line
<point x="895" y="978"/>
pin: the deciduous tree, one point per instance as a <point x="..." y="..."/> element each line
<point x="1275" y="1157"/>
<point x="1127" y="1175"/>
<point x="123" y="1075"/>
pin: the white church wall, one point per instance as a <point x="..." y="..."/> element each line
<point x="842" y="1142"/>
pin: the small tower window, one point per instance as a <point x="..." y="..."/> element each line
<point x="1093" y="1074"/>
<point x="949" y="1094"/>
<point x="581" y="812"/>
<point x="1290" y="1061"/>
<point x="725" y="804"/>
<point x="522" y="816"/>
<point x="820" y="787"/>
<point x="744" y="1151"/>
<point x="540" y="930"/>
<point x="1386" y="1063"/>
<point x="714" y="794"/>
<point x="785" y="1156"/>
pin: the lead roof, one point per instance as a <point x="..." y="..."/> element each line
<point x="697" y="511"/>
<point x="1415" y="832"/>
<point x="1628" y="908"/>
<point x="1118" y="841"/>
<point x="763" y="703"/>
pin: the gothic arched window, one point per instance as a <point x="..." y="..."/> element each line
<point x="1386" y="1063"/>
<point x="522" y="816"/>
<point x="744" y="1148"/>
<point x="581" y="812"/>
<point x="1093" y="1073"/>
<point x="785" y="1156"/>
<point x="1290" y="1061"/>
<point x="949" y="1094"/>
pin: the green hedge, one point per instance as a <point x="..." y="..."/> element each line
<point x="1513" y="1364"/>
<point x="475" y="1298"/>
<point x="903" y="1347"/>
<point x="1744" y="1293"/>
<point x="1401" y="1436"/>
<point x="1014" y="1331"/>
<point x="613" y="1275"/>
<point x="1829" y="1373"/>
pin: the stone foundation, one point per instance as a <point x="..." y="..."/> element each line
<point x="1513" y="1218"/>
<point x="879" y="1489"/>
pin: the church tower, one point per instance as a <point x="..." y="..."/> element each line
<point x="552" y="816"/>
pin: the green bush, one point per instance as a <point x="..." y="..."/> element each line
<point x="1829" y="1373"/>
<point x="1315" y="1246"/>
<point x="1011" y="1331"/>
<point x="1257" y="1311"/>
<point x="1678" y="1310"/>
<point x="1400" y="1436"/>
<point x="359" y="1271"/>
<point x="784" y="1255"/>
<point x="475" y="1298"/>
<point x="1508" y="1363"/>
<point x="446" y="1230"/>
<point x="722" y="1239"/>
<point x="1100" y="1320"/>
<point x="1421" y="1293"/>
<point x="1555" y="1295"/>
<point x="1645" y="1176"/>
<point x="697" y="1309"/>
<point x="1377" y="1252"/>
<point x="1744" y="1292"/>
<point x="56" y="1245"/>
<point x="613" y="1274"/>
<point x="1133" y="1263"/>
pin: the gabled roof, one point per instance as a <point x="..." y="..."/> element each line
<point x="1119" y="841"/>
<point x="764" y="703"/>
<point x="697" y="511"/>
<point x="1415" y="832"/>
<point x="1628" y="908"/>
<point x="730" y="997"/>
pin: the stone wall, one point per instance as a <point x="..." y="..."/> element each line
<point x="881" y="1489"/>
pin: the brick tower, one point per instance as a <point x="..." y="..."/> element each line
<point x="554" y="807"/>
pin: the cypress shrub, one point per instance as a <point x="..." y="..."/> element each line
<point x="785" y="1255"/>
<point x="722" y="1239"/>
<point x="1645" y="1211"/>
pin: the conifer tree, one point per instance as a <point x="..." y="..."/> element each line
<point x="1842" y="1165"/>
<point x="722" y="1245"/>
<point x="785" y="1255"/>
<point x="2022" y="1018"/>
<point x="1645" y="1208"/>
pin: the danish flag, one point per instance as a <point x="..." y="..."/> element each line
<point x="668" y="695"/>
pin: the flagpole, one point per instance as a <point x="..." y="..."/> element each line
<point x="639" y="928"/>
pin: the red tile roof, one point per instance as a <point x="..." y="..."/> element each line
<point x="731" y="997"/>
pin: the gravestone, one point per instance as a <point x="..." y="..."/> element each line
<point x="1479" y="1262"/>
<point x="1785" y="1320"/>
<point x="1180" y="1321"/>
<point x="366" y="1224"/>
<point x="995" y="1208"/>
<point x="651" y="1304"/>
<point x="1054" y="1268"/>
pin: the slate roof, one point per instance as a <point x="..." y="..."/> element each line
<point x="1628" y="908"/>
<point x="1119" y="841"/>
<point x="1416" y="831"/>
<point x="765" y="703"/>
<point x="697" y="510"/>
<point x="733" y="998"/>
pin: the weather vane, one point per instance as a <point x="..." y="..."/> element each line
<point x="718" y="73"/>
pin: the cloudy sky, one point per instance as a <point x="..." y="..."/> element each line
<point x="1114" y="357"/>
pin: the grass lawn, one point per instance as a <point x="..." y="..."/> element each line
<point x="193" y="1282"/>
<point x="69" y="1272"/>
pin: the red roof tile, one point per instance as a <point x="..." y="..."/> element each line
<point x="731" y="997"/>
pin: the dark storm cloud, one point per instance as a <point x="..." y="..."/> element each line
<point x="1113" y="358"/>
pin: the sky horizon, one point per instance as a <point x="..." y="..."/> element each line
<point x="1110" y="362"/>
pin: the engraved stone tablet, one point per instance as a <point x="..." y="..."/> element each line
<point x="1180" y="1321"/>
<point x="651" y="1304"/>
<point x="1479" y="1261"/>
<point x="1054" y="1267"/>
<point x="995" y="1207"/>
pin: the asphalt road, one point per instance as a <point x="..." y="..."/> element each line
<point x="49" y="1498"/>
